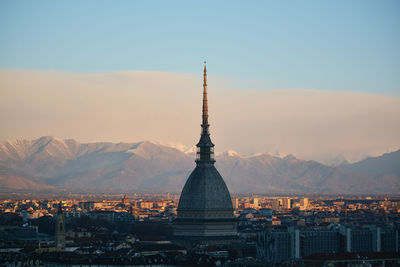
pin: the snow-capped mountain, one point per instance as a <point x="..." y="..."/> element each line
<point x="49" y="163"/>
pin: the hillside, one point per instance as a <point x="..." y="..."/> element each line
<point x="387" y="164"/>
<point x="49" y="162"/>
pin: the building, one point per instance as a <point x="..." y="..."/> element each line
<point x="275" y="246"/>
<point x="303" y="203"/>
<point x="205" y="212"/>
<point x="108" y="215"/>
<point x="294" y="244"/>
<point x="145" y="204"/>
<point x="60" y="229"/>
<point x="277" y="204"/>
<point x="370" y="238"/>
<point x="235" y="203"/>
<point x="255" y="203"/>
<point x="287" y="203"/>
<point x="266" y="212"/>
<point x="318" y="241"/>
<point x="12" y="237"/>
<point x="90" y="205"/>
<point x="125" y="200"/>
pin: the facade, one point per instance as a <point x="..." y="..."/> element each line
<point x="361" y="240"/>
<point x="294" y="244"/>
<point x="303" y="203"/>
<point x="389" y="240"/>
<point x="319" y="241"/>
<point x="60" y="229"/>
<point x="371" y="238"/>
<point x="276" y="204"/>
<point x="275" y="246"/>
<point x="255" y="203"/>
<point x="235" y="202"/>
<point x="287" y="203"/>
<point x="205" y="212"/>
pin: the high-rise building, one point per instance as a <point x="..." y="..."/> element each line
<point x="287" y="203"/>
<point x="370" y="238"/>
<point x="303" y="203"/>
<point x="235" y="203"/>
<point x="276" y="204"/>
<point x="275" y="246"/>
<point x="60" y="229"/>
<point x="294" y="243"/>
<point x="205" y="212"/>
<point x="255" y="203"/>
<point x="318" y="241"/>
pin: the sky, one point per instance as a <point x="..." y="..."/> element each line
<point x="320" y="79"/>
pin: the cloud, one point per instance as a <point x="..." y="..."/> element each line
<point x="166" y="107"/>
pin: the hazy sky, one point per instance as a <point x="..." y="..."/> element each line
<point x="166" y="107"/>
<point x="317" y="78"/>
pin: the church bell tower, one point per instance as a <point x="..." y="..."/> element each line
<point x="60" y="229"/>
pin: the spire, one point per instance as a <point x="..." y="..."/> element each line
<point x="205" y="124"/>
<point x="205" y="148"/>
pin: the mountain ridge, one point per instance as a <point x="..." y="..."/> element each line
<point x="51" y="163"/>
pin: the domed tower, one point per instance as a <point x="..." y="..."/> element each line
<point x="205" y="212"/>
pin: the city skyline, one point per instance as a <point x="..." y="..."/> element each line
<point x="103" y="162"/>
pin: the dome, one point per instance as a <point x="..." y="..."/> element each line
<point x="205" y="190"/>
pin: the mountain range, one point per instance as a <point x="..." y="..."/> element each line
<point x="50" y="163"/>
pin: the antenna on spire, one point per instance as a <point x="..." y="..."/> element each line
<point x="205" y="102"/>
